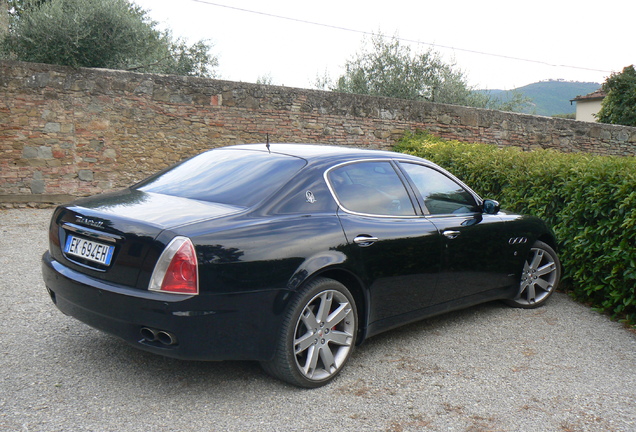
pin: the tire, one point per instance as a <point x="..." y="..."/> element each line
<point x="317" y="336"/>
<point x="539" y="277"/>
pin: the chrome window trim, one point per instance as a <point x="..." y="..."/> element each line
<point x="344" y="209"/>
<point x="395" y="164"/>
<point x="478" y="199"/>
<point x="446" y="173"/>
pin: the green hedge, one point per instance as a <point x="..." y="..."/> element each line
<point x="590" y="202"/>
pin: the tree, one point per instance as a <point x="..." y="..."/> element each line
<point x="265" y="79"/>
<point x="515" y="101"/>
<point x="17" y="7"/>
<point x="384" y="67"/>
<point x="4" y="19"/>
<point x="112" y="34"/>
<point x="619" y="104"/>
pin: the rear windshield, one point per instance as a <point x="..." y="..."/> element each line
<point x="236" y="177"/>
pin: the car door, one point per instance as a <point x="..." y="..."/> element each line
<point x="476" y="255"/>
<point x="397" y="251"/>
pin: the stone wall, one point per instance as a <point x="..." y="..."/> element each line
<point x="73" y="132"/>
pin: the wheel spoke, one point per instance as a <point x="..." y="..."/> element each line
<point x="523" y="286"/>
<point x="536" y="260"/>
<point x="303" y="342"/>
<point x="340" y="338"/>
<point x="543" y="284"/>
<point x="327" y="358"/>
<point x="526" y="267"/>
<point x="546" y="269"/>
<point x="309" y="319"/>
<point x="313" y="354"/>
<point x="531" y="293"/>
<point x="338" y="315"/>
<point x="325" y="306"/>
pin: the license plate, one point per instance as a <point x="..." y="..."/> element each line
<point x="89" y="250"/>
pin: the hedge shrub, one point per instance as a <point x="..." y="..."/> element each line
<point x="590" y="202"/>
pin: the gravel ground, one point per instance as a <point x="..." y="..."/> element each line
<point x="562" y="367"/>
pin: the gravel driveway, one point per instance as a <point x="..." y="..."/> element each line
<point x="562" y="367"/>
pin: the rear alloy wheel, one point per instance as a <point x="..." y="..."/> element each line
<point x="318" y="335"/>
<point x="539" y="278"/>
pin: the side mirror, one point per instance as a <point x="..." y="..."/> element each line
<point x="490" y="207"/>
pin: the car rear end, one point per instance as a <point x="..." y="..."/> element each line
<point x="128" y="262"/>
<point x="116" y="263"/>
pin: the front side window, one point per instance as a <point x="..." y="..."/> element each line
<point x="440" y="194"/>
<point x="372" y="188"/>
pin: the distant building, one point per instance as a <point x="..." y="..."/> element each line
<point x="587" y="106"/>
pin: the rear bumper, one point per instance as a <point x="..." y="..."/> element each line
<point x="241" y="326"/>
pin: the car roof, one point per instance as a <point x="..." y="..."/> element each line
<point x="323" y="152"/>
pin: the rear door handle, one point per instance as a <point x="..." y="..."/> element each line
<point x="450" y="234"/>
<point x="365" y="240"/>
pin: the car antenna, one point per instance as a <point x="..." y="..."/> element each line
<point x="267" y="144"/>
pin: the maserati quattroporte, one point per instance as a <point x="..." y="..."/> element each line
<point x="289" y="255"/>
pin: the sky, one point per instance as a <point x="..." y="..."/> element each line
<point x="499" y="44"/>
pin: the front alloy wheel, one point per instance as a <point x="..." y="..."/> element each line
<point x="318" y="335"/>
<point x="539" y="278"/>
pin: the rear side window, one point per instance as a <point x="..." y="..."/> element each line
<point x="441" y="194"/>
<point x="236" y="177"/>
<point x="372" y="188"/>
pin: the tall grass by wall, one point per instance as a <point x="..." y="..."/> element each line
<point x="590" y="202"/>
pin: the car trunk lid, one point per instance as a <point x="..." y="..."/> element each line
<point x="113" y="237"/>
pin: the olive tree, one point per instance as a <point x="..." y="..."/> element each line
<point x="17" y="7"/>
<point x="619" y="104"/>
<point x="113" y="34"/>
<point x="385" y="67"/>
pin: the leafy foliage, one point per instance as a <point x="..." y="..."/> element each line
<point x="619" y="106"/>
<point x="18" y="7"/>
<point x="387" y="68"/>
<point x="111" y="34"/>
<point x="384" y="67"/>
<point x="590" y="201"/>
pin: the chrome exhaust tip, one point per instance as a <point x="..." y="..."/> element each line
<point x="148" y="334"/>
<point x="166" y="338"/>
<point x="161" y="336"/>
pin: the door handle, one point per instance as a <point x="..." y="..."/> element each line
<point x="365" y="240"/>
<point x="450" y="234"/>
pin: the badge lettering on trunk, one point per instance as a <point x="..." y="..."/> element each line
<point x="90" y="222"/>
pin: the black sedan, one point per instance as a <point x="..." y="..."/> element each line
<point x="289" y="255"/>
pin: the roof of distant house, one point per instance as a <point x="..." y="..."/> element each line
<point x="598" y="94"/>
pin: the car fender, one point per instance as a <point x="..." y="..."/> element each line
<point x="314" y="265"/>
<point x="335" y="265"/>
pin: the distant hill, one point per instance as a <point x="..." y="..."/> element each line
<point x="549" y="97"/>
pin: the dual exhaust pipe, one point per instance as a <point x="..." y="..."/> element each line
<point x="153" y="335"/>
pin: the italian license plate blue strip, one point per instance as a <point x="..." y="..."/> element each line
<point x="89" y="250"/>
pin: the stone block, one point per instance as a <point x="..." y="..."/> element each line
<point x="29" y="152"/>
<point x="85" y="175"/>
<point x="52" y="127"/>
<point x="37" y="186"/>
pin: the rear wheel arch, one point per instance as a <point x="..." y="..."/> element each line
<point x="330" y="265"/>
<point x="356" y="288"/>
<point x="318" y="334"/>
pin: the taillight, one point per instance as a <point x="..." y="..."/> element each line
<point x="177" y="270"/>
